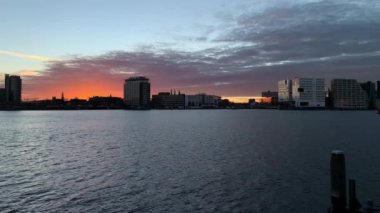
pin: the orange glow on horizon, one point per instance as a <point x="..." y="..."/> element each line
<point x="81" y="93"/>
<point x="241" y="99"/>
<point x="73" y="90"/>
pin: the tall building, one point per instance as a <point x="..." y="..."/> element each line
<point x="13" y="87"/>
<point x="7" y="87"/>
<point x="2" y="95"/>
<point x="285" y="91"/>
<point x="378" y="95"/>
<point x="348" y="94"/>
<point x="137" y="92"/>
<point x="370" y="88"/>
<point x="309" y="92"/>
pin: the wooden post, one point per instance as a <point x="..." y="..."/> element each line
<point x="370" y="207"/>
<point x="338" y="182"/>
<point x="353" y="203"/>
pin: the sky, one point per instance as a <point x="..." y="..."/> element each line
<point x="229" y="48"/>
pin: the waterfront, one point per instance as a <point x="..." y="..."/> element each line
<point x="182" y="161"/>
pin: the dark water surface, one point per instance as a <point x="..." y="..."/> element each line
<point x="182" y="161"/>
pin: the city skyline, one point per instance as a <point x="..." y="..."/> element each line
<point x="231" y="49"/>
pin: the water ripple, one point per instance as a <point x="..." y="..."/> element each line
<point x="180" y="161"/>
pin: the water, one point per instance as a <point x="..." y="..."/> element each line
<point x="182" y="161"/>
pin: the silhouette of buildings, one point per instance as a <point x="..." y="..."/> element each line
<point x="378" y="95"/>
<point x="76" y="102"/>
<point x="294" y="93"/>
<point x="106" y="102"/>
<point x="252" y="102"/>
<point x="272" y="95"/>
<point x="269" y="94"/>
<point x="137" y="92"/>
<point x="12" y="91"/>
<point x="370" y="88"/>
<point x="57" y="101"/>
<point x="226" y="104"/>
<point x="348" y="94"/>
<point x="308" y="92"/>
<point x="166" y="100"/>
<point x="2" y="95"/>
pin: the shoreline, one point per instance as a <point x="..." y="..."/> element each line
<point x="191" y="109"/>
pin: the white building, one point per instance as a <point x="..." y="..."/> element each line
<point x="285" y="91"/>
<point x="137" y="92"/>
<point x="202" y="101"/>
<point x="309" y="92"/>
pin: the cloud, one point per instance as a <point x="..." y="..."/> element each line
<point x="27" y="56"/>
<point x="329" y="39"/>
<point x="28" y="73"/>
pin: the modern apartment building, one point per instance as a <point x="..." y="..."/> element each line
<point x="309" y="92"/>
<point x="348" y="94"/>
<point x="285" y="91"/>
<point x="13" y="87"/>
<point x="137" y="92"/>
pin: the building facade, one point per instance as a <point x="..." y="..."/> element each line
<point x="2" y="95"/>
<point x="166" y="100"/>
<point x="370" y="89"/>
<point x="285" y="91"/>
<point x="13" y="87"/>
<point x="202" y="101"/>
<point x="309" y="92"/>
<point x="348" y="94"/>
<point x="137" y="92"/>
<point x="378" y="95"/>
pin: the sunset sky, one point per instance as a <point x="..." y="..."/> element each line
<point x="229" y="48"/>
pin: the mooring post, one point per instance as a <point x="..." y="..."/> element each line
<point x="370" y="207"/>
<point x="338" y="182"/>
<point x="353" y="203"/>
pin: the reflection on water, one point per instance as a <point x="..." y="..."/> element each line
<point x="182" y="161"/>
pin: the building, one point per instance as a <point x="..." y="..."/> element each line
<point x="106" y="102"/>
<point x="308" y="92"/>
<point x="348" y="94"/>
<point x="168" y="100"/>
<point x="285" y="91"/>
<point x="137" y="92"/>
<point x="370" y="88"/>
<point x="2" y="95"/>
<point x="269" y="94"/>
<point x="272" y="95"/>
<point x="202" y="100"/>
<point x="378" y="95"/>
<point x="13" y="87"/>
<point x="251" y="103"/>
